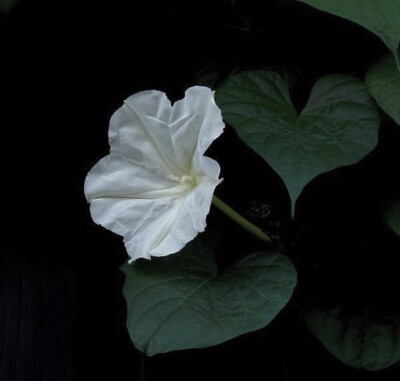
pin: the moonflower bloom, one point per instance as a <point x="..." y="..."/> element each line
<point x="156" y="186"/>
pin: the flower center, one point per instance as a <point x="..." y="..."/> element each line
<point x="187" y="181"/>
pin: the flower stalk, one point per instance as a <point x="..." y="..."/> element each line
<point x="240" y="220"/>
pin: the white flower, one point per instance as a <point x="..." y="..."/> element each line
<point x="156" y="186"/>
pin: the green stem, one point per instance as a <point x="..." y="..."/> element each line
<point x="245" y="224"/>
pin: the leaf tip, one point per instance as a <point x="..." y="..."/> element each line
<point x="293" y="207"/>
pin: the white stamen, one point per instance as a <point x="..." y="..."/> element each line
<point x="184" y="180"/>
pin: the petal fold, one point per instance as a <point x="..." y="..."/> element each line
<point x="117" y="177"/>
<point x="139" y="131"/>
<point x="143" y="223"/>
<point x="195" y="122"/>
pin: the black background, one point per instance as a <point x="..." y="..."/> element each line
<point x="65" y="68"/>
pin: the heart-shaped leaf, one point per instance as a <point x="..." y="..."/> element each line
<point x="383" y="83"/>
<point x="380" y="17"/>
<point x="391" y="214"/>
<point x="181" y="301"/>
<point x="338" y="126"/>
<point x="358" y="341"/>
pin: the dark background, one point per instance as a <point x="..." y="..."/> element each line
<point x="66" y="67"/>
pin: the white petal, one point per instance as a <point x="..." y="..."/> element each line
<point x="204" y="166"/>
<point x="191" y="219"/>
<point x="115" y="176"/>
<point x="139" y="131"/>
<point x="143" y="223"/>
<point x="195" y="122"/>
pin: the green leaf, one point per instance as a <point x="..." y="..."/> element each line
<point x="381" y="17"/>
<point x="383" y="83"/>
<point x="7" y="5"/>
<point x="181" y="301"/>
<point x="358" y="341"/>
<point x="391" y="215"/>
<point x="338" y="126"/>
